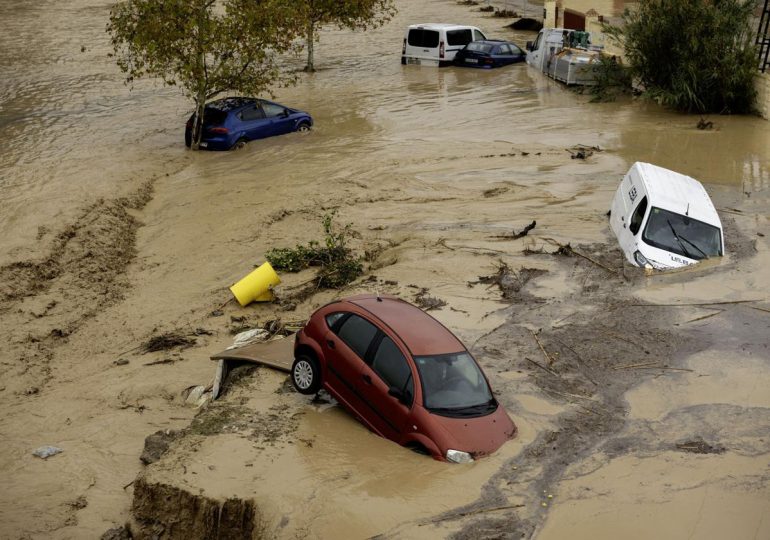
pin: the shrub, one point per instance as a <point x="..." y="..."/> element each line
<point x="692" y="55"/>
<point x="336" y="262"/>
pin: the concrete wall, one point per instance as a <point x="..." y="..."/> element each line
<point x="762" y="84"/>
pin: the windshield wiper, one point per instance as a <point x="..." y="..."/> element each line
<point x="676" y="237"/>
<point x="695" y="246"/>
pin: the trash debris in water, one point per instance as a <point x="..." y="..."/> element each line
<point x="44" y="452"/>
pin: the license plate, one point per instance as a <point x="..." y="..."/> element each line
<point x="472" y="60"/>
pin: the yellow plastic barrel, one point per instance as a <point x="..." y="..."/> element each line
<point x="257" y="286"/>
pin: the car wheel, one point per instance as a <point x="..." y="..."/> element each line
<point x="303" y="127"/>
<point x="306" y="375"/>
<point x="240" y="143"/>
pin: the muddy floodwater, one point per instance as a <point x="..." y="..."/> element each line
<point x="645" y="414"/>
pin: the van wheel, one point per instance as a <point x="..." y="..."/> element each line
<point x="303" y="127"/>
<point x="306" y="375"/>
<point x="240" y="143"/>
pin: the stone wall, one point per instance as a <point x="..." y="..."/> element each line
<point x="762" y="84"/>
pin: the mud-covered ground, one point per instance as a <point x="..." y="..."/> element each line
<point x="640" y="399"/>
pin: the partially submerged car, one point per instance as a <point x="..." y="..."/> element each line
<point x="490" y="53"/>
<point x="403" y="374"/>
<point x="230" y="123"/>
<point x="663" y="219"/>
<point x="433" y="44"/>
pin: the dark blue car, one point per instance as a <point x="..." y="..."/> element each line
<point x="489" y="53"/>
<point x="232" y="122"/>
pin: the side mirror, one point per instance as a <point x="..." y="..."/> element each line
<point x="529" y="45"/>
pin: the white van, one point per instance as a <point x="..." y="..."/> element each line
<point x="664" y="219"/>
<point x="433" y="44"/>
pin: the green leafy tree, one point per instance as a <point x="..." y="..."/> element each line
<point x="353" y="14"/>
<point x="692" y="55"/>
<point x="205" y="47"/>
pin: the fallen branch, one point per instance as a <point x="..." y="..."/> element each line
<point x="517" y="235"/>
<point x="636" y="366"/>
<point x="698" y="304"/>
<point x="541" y="366"/>
<point x="569" y="249"/>
<point x="459" y="515"/>
<point x="547" y="357"/>
<point x="704" y="317"/>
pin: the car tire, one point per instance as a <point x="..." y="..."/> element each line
<point x="239" y="144"/>
<point x="303" y="127"/>
<point x="306" y="374"/>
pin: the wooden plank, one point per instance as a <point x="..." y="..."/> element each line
<point x="277" y="354"/>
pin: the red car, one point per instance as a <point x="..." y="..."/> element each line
<point x="403" y="374"/>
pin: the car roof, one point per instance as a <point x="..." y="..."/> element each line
<point x="677" y="192"/>
<point x="422" y="334"/>
<point x="442" y="26"/>
<point x="230" y="103"/>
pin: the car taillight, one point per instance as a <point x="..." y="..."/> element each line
<point x="222" y="130"/>
<point x="441" y="49"/>
<point x="488" y="61"/>
<point x="403" y="50"/>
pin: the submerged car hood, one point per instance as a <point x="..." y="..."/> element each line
<point x="478" y="436"/>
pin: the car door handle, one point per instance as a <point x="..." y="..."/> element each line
<point x="367" y="379"/>
<point x="330" y="343"/>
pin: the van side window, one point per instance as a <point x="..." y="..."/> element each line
<point x="638" y="217"/>
<point x="459" y="37"/>
<point x="536" y="45"/>
<point x="478" y="36"/>
<point x="358" y="334"/>
<point x="423" y="38"/>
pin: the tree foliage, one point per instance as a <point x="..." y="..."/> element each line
<point x="692" y="55"/>
<point x="205" y="47"/>
<point x="352" y="14"/>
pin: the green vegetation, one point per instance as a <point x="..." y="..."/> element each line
<point x="352" y="14"/>
<point x="692" y="55"/>
<point x="204" y="47"/>
<point x="336" y="262"/>
<point x="612" y="79"/>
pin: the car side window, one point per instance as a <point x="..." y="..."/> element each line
<point x="478" y="36"/>
<point x="638" y="217"/>
<point x="272" y="110"/>
<point x="332" y="318"/>
<point x="393" y="368"/>
<point x="504" y="49"/>
<point x="515" y="49"/>
<point x="358" y="334"/>
<point x="252" y="113"/>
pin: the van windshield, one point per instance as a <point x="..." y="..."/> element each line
<point x="453" y="385"/>
<point x="682" y="235"/>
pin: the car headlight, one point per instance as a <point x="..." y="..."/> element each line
<point x="456" y="456"/>
<point x="642" y="261"/>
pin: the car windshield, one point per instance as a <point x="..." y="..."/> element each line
<point x="682" y="235"/>
<point x="452" y="384"/>
<point x="478" y="47"/>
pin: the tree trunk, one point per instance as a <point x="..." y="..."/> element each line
<point x="200" y="106"/>
<point x="310" y="67"/>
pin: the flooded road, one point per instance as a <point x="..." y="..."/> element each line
<point x="115" y="232"/>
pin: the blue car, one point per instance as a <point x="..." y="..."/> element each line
<point x="489" y="53"/>
<point x="230" y="123"/>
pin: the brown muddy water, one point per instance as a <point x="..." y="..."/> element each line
<point x="114" y="232"/>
